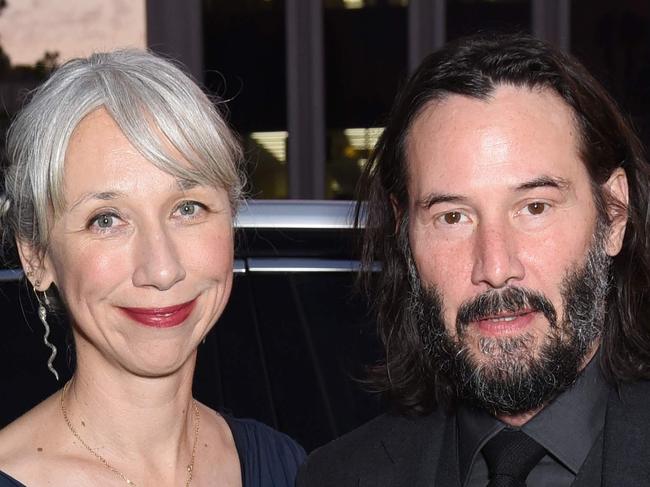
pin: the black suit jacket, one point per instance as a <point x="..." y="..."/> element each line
<point x="396" y="451"/>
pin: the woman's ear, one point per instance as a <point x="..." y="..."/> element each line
<point x="36" y="264"/>
<point x="617" y="204"/>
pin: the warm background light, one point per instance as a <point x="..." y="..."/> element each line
<point x="29" y="28"/>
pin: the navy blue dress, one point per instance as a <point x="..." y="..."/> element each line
<point x="267" y="458"/>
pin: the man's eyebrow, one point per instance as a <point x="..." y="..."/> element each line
<point x="434" y="198"/>
<point x="431" y="199"/>
<point x="544" y="181"/>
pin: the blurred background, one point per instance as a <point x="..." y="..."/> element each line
<point x="308" y="82"/>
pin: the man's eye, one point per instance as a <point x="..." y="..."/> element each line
<point x="536" y="208"/>
<point x="452" y="217"/>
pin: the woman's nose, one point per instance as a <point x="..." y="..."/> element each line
<point x="157" y="263"/>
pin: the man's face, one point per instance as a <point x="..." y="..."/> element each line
<point x="502" y="229"/>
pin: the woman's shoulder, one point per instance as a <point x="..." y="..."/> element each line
<point x="265" y="453"/>
<point x="28" y="444"/>
<point x="18" y="438"/>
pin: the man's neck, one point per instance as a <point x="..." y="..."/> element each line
<point x="518" y="420"/>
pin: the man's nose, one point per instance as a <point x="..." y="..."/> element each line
<point x="157" y="261"/>
<point x="496" y="257"/>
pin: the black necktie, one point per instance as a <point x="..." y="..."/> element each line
<point x="510" y="457"/>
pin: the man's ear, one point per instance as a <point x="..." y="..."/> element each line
<point x="36" y="264"/>
<point x="617" y="200"/>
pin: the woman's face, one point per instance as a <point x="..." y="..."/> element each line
<point x="142" y="260"/>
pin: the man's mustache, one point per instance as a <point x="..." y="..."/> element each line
<point x="510" y="300"/>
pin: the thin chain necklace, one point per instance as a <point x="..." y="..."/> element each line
<point x="190" y="467"/>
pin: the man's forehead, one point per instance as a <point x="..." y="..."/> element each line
<point x="452" y="109"/>
<point x="516" y="134"/>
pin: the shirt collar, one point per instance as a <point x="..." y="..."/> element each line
<point x="570" y="424"/>
<point x="567" y="427"/>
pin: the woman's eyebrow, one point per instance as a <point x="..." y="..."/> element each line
<point x="102" y="195"/>
<point x="185" y="184"/>
<point x="181" y="183"/>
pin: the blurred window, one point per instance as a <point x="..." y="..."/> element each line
<point x="349" y="150"/>
<point x="244" y="59"/>
<point x="613" y="40"/>
<point x="365" y="62"/>
<point x="268" y="151"/>
<point x="466" y="17"/>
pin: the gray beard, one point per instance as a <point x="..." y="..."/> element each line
<point x="514" y="375"/>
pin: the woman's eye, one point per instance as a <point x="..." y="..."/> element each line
<point x="536" y="208"/>
<point x="189" y="208"/>
<point x="103" y="221"/>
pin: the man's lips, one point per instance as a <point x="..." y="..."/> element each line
<point x="161" y="317"/>
<point x="505" y="323"/>
<point x="505" y="315"/>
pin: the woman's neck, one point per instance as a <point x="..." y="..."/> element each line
<point x="139" y="418"/>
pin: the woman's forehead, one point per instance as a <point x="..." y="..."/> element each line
<point x="101" y="161"/>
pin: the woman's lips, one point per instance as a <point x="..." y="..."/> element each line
<point x="161" y="317"/>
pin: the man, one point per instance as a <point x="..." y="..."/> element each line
<point x="508" y="200"/>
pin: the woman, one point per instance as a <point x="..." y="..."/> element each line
<point x="120" y="194"/>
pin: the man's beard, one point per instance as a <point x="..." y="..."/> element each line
<point x="514" y="375"/>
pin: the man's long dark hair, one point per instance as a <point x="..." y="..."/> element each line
<point x="474" y="67"/>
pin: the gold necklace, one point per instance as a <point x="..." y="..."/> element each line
<point x="190" y="467"/>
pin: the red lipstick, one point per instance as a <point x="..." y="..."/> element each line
<point x="161" y="317"/>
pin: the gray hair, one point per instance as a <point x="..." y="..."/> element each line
<point x="154" y="104"/>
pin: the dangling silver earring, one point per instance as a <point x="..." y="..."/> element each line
<point x="42" y="314"/>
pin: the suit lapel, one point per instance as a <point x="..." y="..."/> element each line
<point x="410" y="451"/>
<point x="448" y="474"/>
<point x="626" y="438"/>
